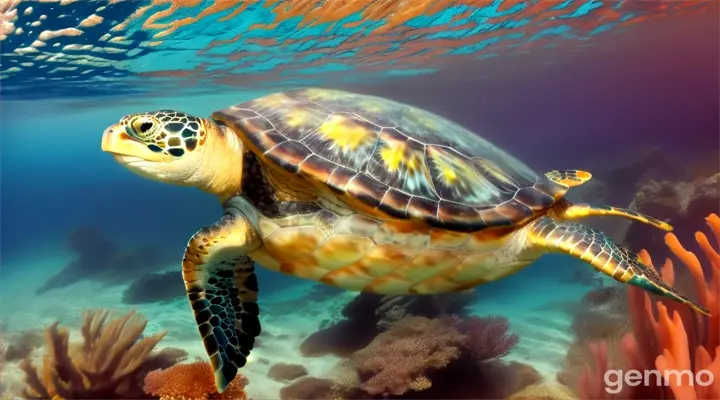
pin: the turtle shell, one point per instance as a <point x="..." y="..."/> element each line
<point x="403" y="161"/>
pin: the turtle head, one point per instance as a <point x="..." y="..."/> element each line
<point x="178" y="148"/>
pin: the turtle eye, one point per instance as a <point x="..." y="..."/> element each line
<point x="142" y="126"/>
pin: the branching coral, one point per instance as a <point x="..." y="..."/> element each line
<point x="192" y="381"/>
<point x="110" y="363"/>
<point x="397" y="360"/>
<point x="669" y="338"/>
<point x="489" y="337"/>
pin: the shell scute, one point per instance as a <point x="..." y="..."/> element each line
<point x="339" y="178"/>
<point x="395" y="203"/>
<point x="399" y="161"/>
<point x="366" y="189"/>
<point x="289" y="155"/>
<point x="344" y="140"/>
<point x="316" y="167"/>
<point x="266" y="140"/>
<point x="533" y="198"/>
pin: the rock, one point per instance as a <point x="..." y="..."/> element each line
<point x="308" y="388"/>
<point x="684" y="205"/>
<point x="283" y="372"/>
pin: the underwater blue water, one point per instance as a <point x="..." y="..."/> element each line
<point x="584" y="84"/>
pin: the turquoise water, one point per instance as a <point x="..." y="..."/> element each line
<point x="626" y="90"/>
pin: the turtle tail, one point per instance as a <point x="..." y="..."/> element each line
<point x="593" y="247"/>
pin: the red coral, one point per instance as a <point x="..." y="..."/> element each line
<point x="192" y="381"/>
<point x="685" y="342"/>
<point x="488" y="336"/>
<point x="397" y="360"/>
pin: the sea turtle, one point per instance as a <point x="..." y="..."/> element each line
<point x="358" y="192"/>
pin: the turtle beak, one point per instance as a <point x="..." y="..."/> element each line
<point x="126" y="149"/>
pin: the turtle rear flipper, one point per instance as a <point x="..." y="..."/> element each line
<point x="593" y="247"/>
<point x="222" y="289"/>
<point x="568" y="210"/>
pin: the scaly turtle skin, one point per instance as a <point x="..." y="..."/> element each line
<point x="361" y="193"/>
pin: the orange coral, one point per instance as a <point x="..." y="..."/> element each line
<point x="686" y="342"/>
<point x="108" y="364"/>
<point x="193" y="381"/>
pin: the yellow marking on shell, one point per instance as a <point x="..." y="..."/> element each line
<point x="397" y="155"/>
<point x="273" y="100"/>
<point x="496" y="172"/>
<point x="320" y="94"/>
<point x="264" y="259"/>
<point x="448" y="167"/>
<point x="344" y="133"/>
<point x="296" y="118"/>
<point x="448" y="175"/>
<point x="286" y="244"/>
<point x="427" y="263"/>
<point x="392" y="156"/>
<point x="441" y="238"/>
<point x="342" y="250"/>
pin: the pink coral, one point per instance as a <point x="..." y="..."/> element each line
<point x="683" y="342"/>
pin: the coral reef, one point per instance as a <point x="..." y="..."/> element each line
<point x="101" y="260"/>
<point x="436" y="356"/>
<point x="110" y="363"/>
<point x="667" y="336"/>
<point x="283" y="372"/>
<point x="155" y="288"/>
<point x="368" y="314"/>
<point x="191" y="381"/>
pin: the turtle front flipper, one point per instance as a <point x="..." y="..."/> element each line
<point x="568" y="210"/>
<point x="593" y="247"/>
<point x="222" y="289"/>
